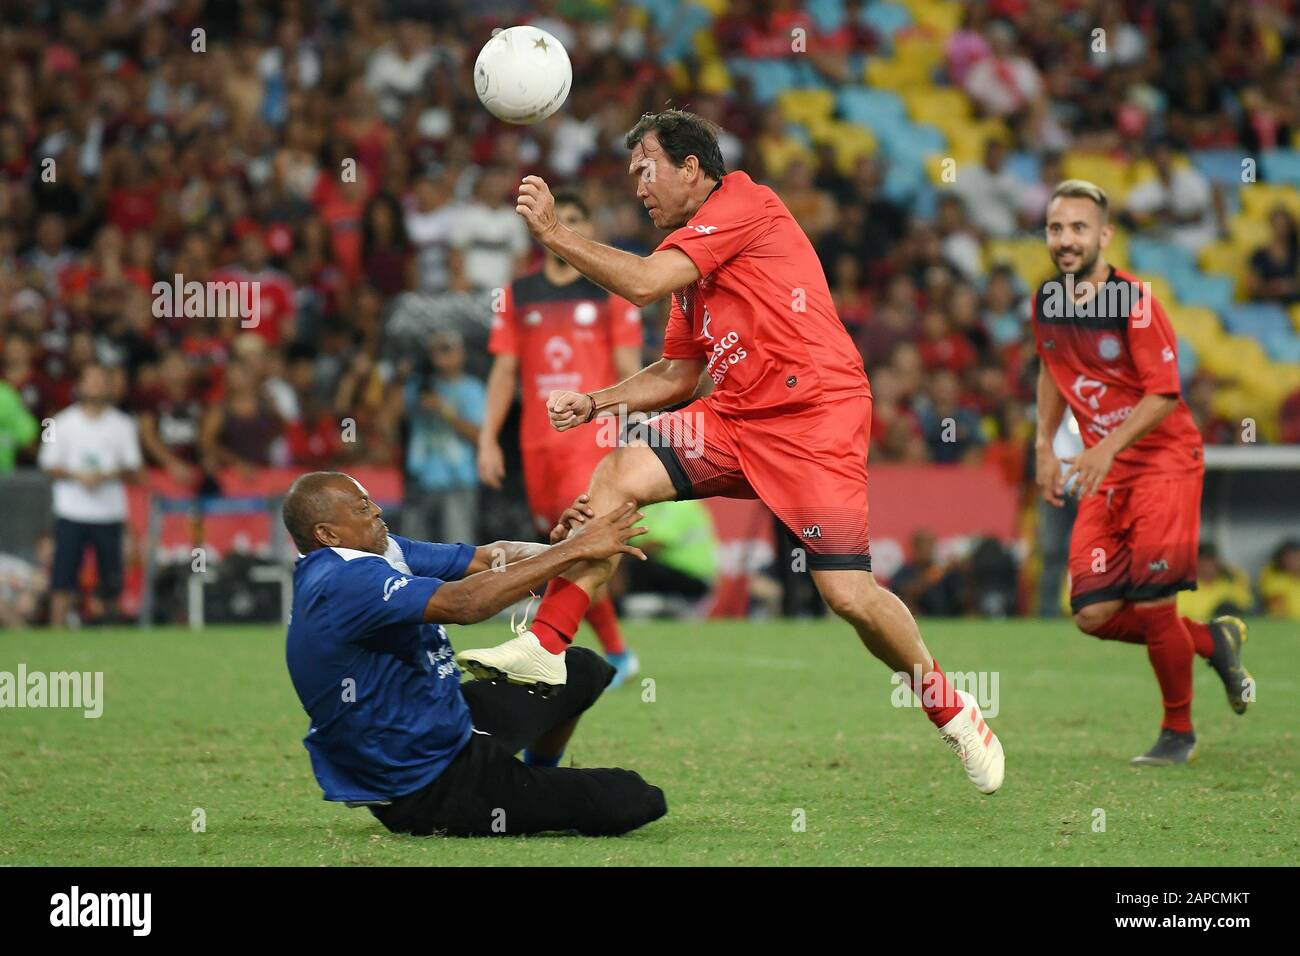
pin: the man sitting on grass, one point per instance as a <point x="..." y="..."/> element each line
<point x="392" y="727"/>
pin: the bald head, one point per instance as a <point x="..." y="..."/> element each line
<point x="328" y="509"/>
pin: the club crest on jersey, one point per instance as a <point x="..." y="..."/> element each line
<point x="1089" y="390"/>
<point x="1108" y="347"/>
<point x="533" y="318"/>
<point x="558" y="352"/>
<point x="584" y="313"/>
<point x="813" y="531"/>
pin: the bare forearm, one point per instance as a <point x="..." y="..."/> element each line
<point x="500" y="392"/>
<point x="1147" y="414"/>
<point x="610" y="268"/>
<point x="479" y="596"/>
<point x="656" y="386"/>
<point x="1051" y="408"/>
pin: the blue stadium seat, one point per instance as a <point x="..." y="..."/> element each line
<point x="1196" y="288"/>
<point x="1281" y="166"/>
<point x="1188" y="360"/>
<point x="1222" y="166"/>
<point x="911" y="142"/>
<point x="679" y="31"/>
<point x="861" y="104"/>
<point x="887" y="19"/>
<point x="1023" y="166"/>
<point x="1161" y="258"/>
<point x="1283" y="348"/>
<point x="827" y="14"/>
<point x="1260" y="320"/>
<point x="770" y="77"/>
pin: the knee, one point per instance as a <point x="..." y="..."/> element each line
<point x="1093" y="618"/>
<point x="587" y="671"/>
<point x="853" y="597"/>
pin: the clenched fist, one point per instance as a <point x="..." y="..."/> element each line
<point x="568" y="409"/>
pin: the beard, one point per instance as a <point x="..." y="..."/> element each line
<point x="1087" y="262"/>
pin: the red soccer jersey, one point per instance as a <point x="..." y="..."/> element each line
<point x="564" y="337"/>
<point x="760" y="314"/>
<point x="1106" y="353"/>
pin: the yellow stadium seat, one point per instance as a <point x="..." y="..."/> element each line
<point x="941" y="16"/>
<point x="897" y="74"/>
<point x="715" y="7"/>
<point x="1294" y="312"/>
<point x="1248" y="232"/>
<point x="919" y="47"/>
<point x="937" y="104"/>
<point x="1028" y="258"/>
<point x="801" y="106"/>
<point x="1110" y="174"/>
<point x="1228" y="258"/>
<point x="706" y="46"/>
<point x="714" y="78"/>
<point x="1258" y="200"/>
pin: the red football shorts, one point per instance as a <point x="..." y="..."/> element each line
<point x="555" y="474"/>
<point x="808" y="467"/>
<point x="1136" y="543"/>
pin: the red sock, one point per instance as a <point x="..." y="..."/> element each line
<point x="561" y="611"/>
<point x="604" y="621"/>
<point x="1202" y="639"/>
<point x="1169" y="646"/>
<point x="1124" y="625"/>
<point x="938" y="698"/>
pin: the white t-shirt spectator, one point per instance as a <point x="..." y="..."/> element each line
<point x="393" y="78"/>
<point x="1188" y="193"/>
<point x="432" y="233"/>
<point x="102" y="443"/>
<point x="492" y="240"/>
<point x="992" y="199"/>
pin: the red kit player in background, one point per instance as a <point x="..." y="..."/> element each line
<point x="559" y="330"/>
<point x="1108" y="351"/>
<point x="787" y="421"/>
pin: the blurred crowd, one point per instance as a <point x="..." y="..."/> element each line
<point x="335" y="153"/>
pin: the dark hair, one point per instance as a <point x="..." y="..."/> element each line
<point x="682" y="134"/>
<point x="567" y="197"/>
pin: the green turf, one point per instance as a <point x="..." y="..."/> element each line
<point x="750" y="723"/>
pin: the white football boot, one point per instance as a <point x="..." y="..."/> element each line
<point x="520" y="660"/>
<point x="976" y="744"/>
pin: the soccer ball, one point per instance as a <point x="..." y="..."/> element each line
<point x="523" y="75"/>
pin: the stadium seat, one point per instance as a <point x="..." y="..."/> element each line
<point x="1024" y="166"/>
<point x="1220" y="166"/>
<point x="860" y="104"/>
<point x="828" y="15"/>
<point x="769" y="77"/>
<point x="887" y="19"/>
<point x="941" y="16"/>
<point x="1226" y="258"/>
<point x="1108" y="173"/>
<point x="1281" y="166"/>
<point x="1028" y="258"/>
<point x="804" y="106"/>
<point x="911" y="143"/>
<point x="1258" y="200"/>
<point x="897" y="74"/>
<point x="936" y="104"/>
<point x="1154" y="255"/>
<point x="1196" y="288"/>
<point x="1256" y="319"/>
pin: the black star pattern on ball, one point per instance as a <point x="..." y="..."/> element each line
<point x="540" y="42"/>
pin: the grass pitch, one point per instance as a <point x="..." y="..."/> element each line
<point x="750" y="724"/>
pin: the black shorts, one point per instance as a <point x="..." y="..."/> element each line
<point x="71" y="539"/>
<point x="486" y="791"/>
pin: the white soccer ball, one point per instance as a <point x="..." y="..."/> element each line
<point x="523" y="75"/>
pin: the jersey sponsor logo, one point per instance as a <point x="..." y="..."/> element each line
<point x="393" y="585"/>
<point x="705" y="230"/>
<point x="1089" y="390"/>
<point x="1108" y="347"/>
<point x="584" y="313"/>
<point x="558" y="352"/>
<point x="704" y="325"/>
<point x="533" y="318"/>
<point x="1161" y="565"/>
<point x="1167" y="354"/>
<point x="813" y="531"/>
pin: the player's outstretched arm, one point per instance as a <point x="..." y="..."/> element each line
<point x="640" y="280"/>
<point x="664" y="383"/>
<point x="479" y="596"/>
